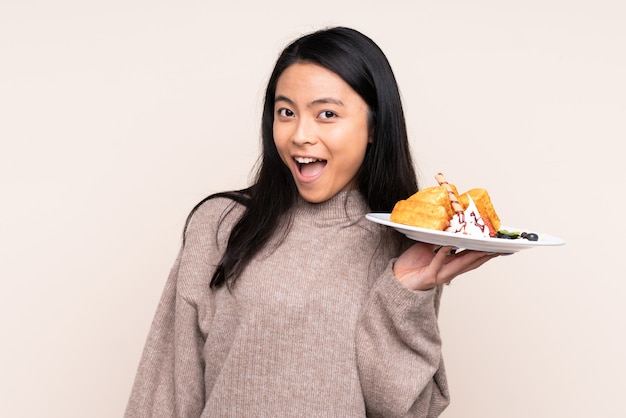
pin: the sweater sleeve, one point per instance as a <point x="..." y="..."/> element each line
<point x="169" y="380"/>
<point x="399" y="351"/>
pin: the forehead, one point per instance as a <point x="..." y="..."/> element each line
<point x="308" y="82"/>
<point x="308" y="77"/>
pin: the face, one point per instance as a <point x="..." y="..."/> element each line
<point x="320" y="130"/>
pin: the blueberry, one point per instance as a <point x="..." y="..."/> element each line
<point x="532" y="236"/>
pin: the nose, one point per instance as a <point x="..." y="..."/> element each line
<point x="304" y="133"/>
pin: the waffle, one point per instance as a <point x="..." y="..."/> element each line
<point x="484" y="206"/>
<point x="429" y="208"/>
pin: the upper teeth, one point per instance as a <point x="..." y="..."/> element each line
<point x="305" y="160"/>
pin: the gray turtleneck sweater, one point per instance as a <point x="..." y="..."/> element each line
<point x="316" y="326"/>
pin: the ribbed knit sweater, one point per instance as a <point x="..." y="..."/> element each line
<point x="316" y="326"/>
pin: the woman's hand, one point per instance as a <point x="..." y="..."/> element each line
<point x="424" y="266"/>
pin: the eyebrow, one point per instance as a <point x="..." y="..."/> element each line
<point x="323" y="100"/>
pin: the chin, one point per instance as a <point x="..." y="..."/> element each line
<point x="315" y="197"/>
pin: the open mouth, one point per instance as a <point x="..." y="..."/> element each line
<point x="310" y="167"/>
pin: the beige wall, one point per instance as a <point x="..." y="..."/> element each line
<point x="117" y="116"/>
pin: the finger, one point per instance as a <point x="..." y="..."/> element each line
<point x="440" y="257"/>
<point x="448" y="249"/>
<point x="460" y="265"/>
<point x="480" y="261"/>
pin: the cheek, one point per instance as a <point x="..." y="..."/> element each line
<point x="353" y="145"/>
<point x="280" y="141"/>
<point x="350" y="159"/>
<point x="279" y="136"/>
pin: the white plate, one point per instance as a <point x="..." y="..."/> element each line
<point x="467" y="242"/>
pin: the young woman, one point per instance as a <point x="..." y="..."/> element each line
<point x="284" y="300"/>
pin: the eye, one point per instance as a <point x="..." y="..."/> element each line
<point x="284" y="112"/>
<point x="327" y="114"/>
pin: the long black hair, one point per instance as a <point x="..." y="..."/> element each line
<point x="386" y="175"/>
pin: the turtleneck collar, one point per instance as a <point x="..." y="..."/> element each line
<point x="348" y="204"/>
